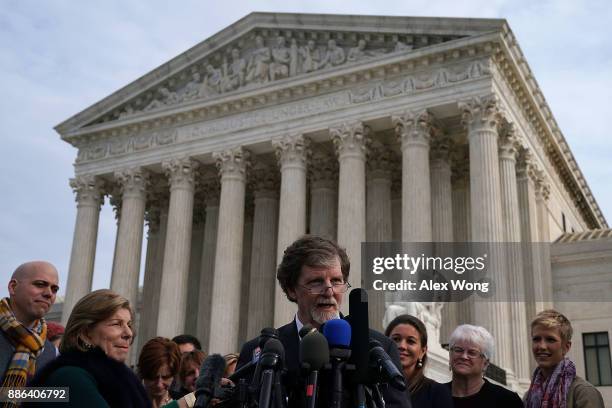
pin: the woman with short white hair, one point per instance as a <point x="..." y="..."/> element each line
<point x="470" y="352"/>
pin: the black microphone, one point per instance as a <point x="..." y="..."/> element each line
<point x="314" y="354"/>
<point x="210" y="374"/>
<point x="380" y="360"/>
<point x="270" y="363"/>
<point x="360" y="335"/>
<point x="306" y="329"/>
<point x="246" y="370"/>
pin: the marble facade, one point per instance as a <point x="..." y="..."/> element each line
<point x="357" y="128"/>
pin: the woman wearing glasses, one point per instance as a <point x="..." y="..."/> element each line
<point x="410" y="336"/>
<point x="471" y="349"/>
<point x="554" y="382"/>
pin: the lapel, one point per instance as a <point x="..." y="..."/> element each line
<point x="288" y="335"/>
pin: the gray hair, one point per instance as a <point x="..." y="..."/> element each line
<point x="476" y="335"/>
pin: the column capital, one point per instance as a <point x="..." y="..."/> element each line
<point x="542" y="186"/>
<point x="441" y="148"/>
<point x="413" y="127"/>
<point x="88" y="190"/>
<point x="526" y="166"/>
<point x="180" y="172"/>
<point x="350" y="139"/>
<point x="508" y="141"/>
<point x="133" y="182"/>
<point x="380" y="162"/>
<point x="481" y="112"/>
<point x="292" y="150"/>
<point x="323" y="171"/>
<point x="232" y="163"/>
<point x="264" y="180"/>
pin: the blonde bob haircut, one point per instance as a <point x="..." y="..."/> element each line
<point x="551" y="319"/>
<point x="90" y="310"/>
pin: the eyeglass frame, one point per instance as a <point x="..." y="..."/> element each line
<point x="345" y="284"/>
<point x="464" y="351"/>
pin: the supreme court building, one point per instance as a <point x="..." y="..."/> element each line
<point x="359" y="128"/>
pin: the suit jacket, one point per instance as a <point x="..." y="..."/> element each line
<point x="294" y="383"/>
<point x="7" y="350"/>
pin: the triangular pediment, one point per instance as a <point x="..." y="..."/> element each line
<point x="264" y="48"/>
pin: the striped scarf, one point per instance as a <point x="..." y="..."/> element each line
<point x="551" y="393"/>
<point x="28" y="345"/>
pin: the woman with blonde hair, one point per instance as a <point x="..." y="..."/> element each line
<point x="96" y="343"/>
<point x="555" y="383"/>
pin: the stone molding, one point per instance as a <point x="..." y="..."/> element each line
<point x="292" y="150"/>
<point x="351" y="139"/>
<point x="232" y="163"/>
<point x="413" y="127"/>
<point x="133" y="182"/>
<point x="88" y="190"/>
<point x="181" y="172"/>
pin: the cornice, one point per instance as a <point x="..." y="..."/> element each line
<point x="515" y="70"/>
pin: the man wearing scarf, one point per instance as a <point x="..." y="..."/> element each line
<point x="24" y="347"/>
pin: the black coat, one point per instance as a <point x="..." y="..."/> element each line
<point x="294" y="383"/>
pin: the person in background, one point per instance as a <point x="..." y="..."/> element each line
<point x="158" y="364"/>
<point x="24" y="347"/>
<point x="231" y="360"/>
<point x="55" y="332"/>
<point x="94" y="349"/>
<point x="187" y="342"/>
<point x="471" y="350"/>
<point x="410" y="336"/>
<point x="554" y="382"/>
<point x="188" y="373"/>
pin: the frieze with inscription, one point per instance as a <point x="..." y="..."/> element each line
<point x="373" y="91"/>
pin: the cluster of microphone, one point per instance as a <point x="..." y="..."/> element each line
<point x="353" y="367"/>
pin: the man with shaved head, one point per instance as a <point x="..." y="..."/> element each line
<point x="24" y="347"/>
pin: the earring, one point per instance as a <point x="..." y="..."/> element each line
<point x="419" y="363"/>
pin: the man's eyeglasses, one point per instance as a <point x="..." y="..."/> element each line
<point x="319" y="288"/>
<point x="471" y="353"/>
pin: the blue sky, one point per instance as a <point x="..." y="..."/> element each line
<point x="59" y="57"/>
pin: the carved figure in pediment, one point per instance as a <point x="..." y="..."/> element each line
<point x="400" y="46"/>
<point x="128" y="111"/>
<point x="212" y="82"/>
<point x="334" y="56"/>
<point x="167" y="98"/>
<point x="235" y="73"/>
<point x="192" y="89"/>
<point x="281" y="59"/>
<point x="311" y="56"/>
<point x="257" y="68"/>
<point x="357" y="53"/>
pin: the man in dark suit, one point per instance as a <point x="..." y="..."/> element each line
<point x="314" y="274"/>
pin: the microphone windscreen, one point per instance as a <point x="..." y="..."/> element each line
<point x="338" y="333"/>
<point x="307" y="328"/>
<point x="276" y="347"/>
<point x="211" y="371"/>
<point x="266" y="334"/>
<point x="314" y="350"/>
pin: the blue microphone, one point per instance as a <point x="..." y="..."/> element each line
<point x="338" y="335"/>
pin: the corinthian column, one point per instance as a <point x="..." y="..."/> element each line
<point x="323" y="173"/>
<point x="195" y="261"/>
<point x="225" y="314"/>
<point x="211" y="189"/>
<point x="292" y="153"/>
<point x="516" y="286"/>
<point x="80" y="273"/>
<point x="414" y="131"/>
<point x="542" y="195"/>
<point x="481" y="117"/>
<point x="126" y="268"/>
<point x="262" y="280"/>
<point x="173" y="297"/>
<point x="350" y="140"/>
<point x="378" y="216"/>
<point x="442" y="218"/>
